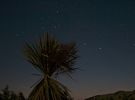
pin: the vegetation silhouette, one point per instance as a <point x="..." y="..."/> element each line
<point x="120" y="95"/>
<point x="52" y="59"/>
<point x="7" y="94"/>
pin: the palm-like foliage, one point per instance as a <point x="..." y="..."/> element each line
<point x="51" y="58"/>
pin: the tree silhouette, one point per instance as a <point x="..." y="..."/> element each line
<point x="0" y="96"/>
<point x="52" y="59"/>
<point x="6" y="93"/>
<point x="21" y="96"/>
<point x="11" y="95"/>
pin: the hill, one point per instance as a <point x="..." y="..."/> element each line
<point x="120" y="95"/>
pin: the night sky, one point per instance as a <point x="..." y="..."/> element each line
<point x="104" y="31"/>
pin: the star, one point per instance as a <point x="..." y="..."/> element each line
<point x="42" y="27"/>
<point x="134" y="44"/>
<point x="41" y="18"/>
<point x="55" y="27"/>
<point x="100" y="48"/>
<point x="57" y="11"/>
<point x="100" y="51"/>
<point x="17" y="35"/>
<point x="22" y="32"/>
<point x="84" y="44"/>
<point x="122" y="24"/>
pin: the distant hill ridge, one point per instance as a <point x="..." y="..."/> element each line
<point x="120" y="95"/>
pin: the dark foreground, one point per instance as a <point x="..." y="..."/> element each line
<point x="120" y="95"/>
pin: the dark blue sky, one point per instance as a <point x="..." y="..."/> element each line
<point x="104" y="31"/>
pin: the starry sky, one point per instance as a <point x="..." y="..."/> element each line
<point x="104" y="31"/>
